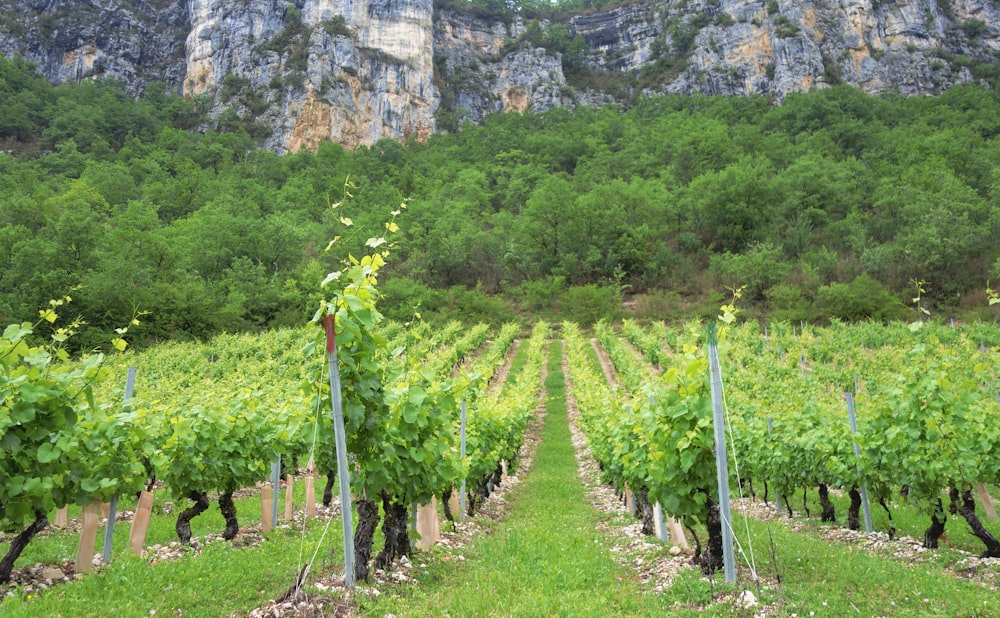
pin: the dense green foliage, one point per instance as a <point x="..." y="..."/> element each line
<point x="59" y="446"/>
<point x="50" y="425"/>
<point x="831" y="196"/>
<point x="927" y="394"/>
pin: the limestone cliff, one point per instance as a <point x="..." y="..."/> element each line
<point x="347" y="71"/>
<point x="354" y="71"/>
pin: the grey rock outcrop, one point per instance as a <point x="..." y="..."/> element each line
<point x="301" y="72"/>
<point x="71" y="40"/>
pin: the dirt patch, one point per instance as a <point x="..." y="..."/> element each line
<point x="500" y="377"/>
<point x="606" y="365"/>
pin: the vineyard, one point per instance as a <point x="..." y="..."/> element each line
<point x="521" y="449"/>
<point x="898" y="421"/>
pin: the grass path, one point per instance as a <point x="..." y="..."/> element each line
<point x="544" y="558"/>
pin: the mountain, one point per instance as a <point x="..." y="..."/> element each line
<point x="355" y="71"/>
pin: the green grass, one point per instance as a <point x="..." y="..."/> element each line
<point x="544" y="559"/>
<point x="906" y="518"/>
<point x="838" y="579"/>
<point x="213" y="582"/>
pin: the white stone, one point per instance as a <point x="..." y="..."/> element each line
<point x="52" y="573"/>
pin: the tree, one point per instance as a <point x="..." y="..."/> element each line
<point x="760" y="268"/>
<point x="733" y="207"/>
<point x="864" y="298"/>
<point x="545" y="235"/>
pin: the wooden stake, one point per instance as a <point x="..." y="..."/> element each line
<point x="140" y="524"/>
<point x="88" y="536"/>
<point x="310" y="496"/>
<point x="62" y="517"/>
<point x="427" y="525"/>
<point x="629" y="501"/>
<point x="986" y="501"/>
<point x="289" y="480"/>
<point x="265" y="508"/>
<point x="677" y="534"/>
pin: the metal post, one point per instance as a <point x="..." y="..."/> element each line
<point x="777" y="494"/>
<point x="721" y="459"/>
<point x="275" y="481"/>
<point x="461" y="495"/>
<point x="109" y="531"/>
<point x="343" y="473"/>
<point x="660" y="523"/>
<point x="413" y="523"/>
<point x="857" y="453"/>
<point x="129" y="389"/>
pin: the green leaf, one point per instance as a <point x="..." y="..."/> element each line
<point x="48" y="453"/>
<point x="416" y="395"/>
<point x="15" y="332"/>
<point x="410" y="414"/>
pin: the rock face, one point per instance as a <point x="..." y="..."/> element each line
<point x="353" y="71"/>
<point x="347" y="71"/>
<point x="71" y="40"/>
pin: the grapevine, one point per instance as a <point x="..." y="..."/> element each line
<point x="60" y="446"/>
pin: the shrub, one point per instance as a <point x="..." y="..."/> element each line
<point x="336" y="26"/>
<point x="658" y="305"/>
<point x="473" y="306"/>
<point x="864" y="298"/>
<point x="758" y="269"/>
<point x="787" y="303"/>
<point x="974" y="28"/>
<point x="587" y="304"/>
<point x="785" y="28"/>
<point x="541" y="295"/>
<point x="403" y="296"/>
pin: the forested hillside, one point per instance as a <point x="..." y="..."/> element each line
<point x="833" y="204"/>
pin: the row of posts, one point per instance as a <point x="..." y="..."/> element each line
<point x="92" y="513"/>
<point x="981" y="491"/>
